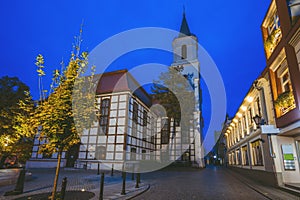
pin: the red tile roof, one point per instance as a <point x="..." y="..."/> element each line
<point x="119" y="81"/>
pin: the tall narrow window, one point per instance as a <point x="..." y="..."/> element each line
<point x="135" y="112"/>
<point x="258" y="106"/>
<point x="245" y="160"/>
<point x="183" y="52"/>
<point x="257" y="153"/>
<point x="145" y="118"/>
<point x="133" y="154"/>
<point x="274" y="23"/>
<point x="250" y="122"/>
<point x="135" y="119"/>
<point x="285" y="81"/>
<point x="104" y="116"/>
<point x="165" y="131"/>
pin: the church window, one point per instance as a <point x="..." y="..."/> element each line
<point x="183" y="52"/>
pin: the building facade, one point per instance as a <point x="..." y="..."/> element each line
<point x="249" y="144"/>
<point x="270" y="149"/>
<point x="280" y="30"/>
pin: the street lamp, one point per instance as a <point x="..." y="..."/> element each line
<point x="258" y="120"/>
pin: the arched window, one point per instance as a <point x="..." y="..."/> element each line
<point x="183" y="52"/>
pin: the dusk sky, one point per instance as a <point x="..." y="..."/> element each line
<point x="228" y="30"/>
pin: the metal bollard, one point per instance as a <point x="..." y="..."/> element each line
<point x="101" y="186"/>
<point x="137" y="180"/>
<point x="112" y="170"/>
<point x="20" y="183"/>
<point x="63" y="188"/>
<point x="124" y="183"/>
<point x="19" y="186"/>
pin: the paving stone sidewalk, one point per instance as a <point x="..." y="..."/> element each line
<point x="78" y="180"/>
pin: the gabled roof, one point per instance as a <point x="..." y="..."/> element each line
<point x="120" y="81"/>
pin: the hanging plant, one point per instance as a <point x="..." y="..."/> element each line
<point x="272" y="41"/>
<point x="285" y="100"/>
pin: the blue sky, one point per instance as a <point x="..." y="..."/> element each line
<point x="228" y="30"/>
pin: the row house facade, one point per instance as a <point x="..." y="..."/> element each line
<point x="280" y="30"/>
<point x="272" y="146"/>
<point x="249" y="144"/>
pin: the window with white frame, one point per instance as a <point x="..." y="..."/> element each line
<point x="284" y="77"/>
<point x="285" y="81"/>
<point x="273" y="23"/>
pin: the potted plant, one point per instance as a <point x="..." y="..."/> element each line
<point x="285" y="100"/>
<point x="272" y="40"/>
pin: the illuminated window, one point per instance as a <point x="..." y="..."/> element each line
<point x="273" y="23"/>
<point x="285" y="81"/>
<point x="250" y="122"/>
<point x="245" y="160"/>
<point x="183" y="52"/>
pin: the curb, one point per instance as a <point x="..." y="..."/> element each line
<point x="142" y="192"/>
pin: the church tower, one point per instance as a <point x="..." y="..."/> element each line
<point x="185" y="48"/>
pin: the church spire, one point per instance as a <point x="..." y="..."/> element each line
<point x="184" y="29"/>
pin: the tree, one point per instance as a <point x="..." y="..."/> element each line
<point x="175" y="93"/>
<point x="56" y="114"/>
<point x="16" y="106"/>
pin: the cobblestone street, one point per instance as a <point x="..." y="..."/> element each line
<point x="209" y="183"/>
<point x="170" y="183"/>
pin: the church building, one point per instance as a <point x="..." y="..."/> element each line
<point x="128" y="129"/>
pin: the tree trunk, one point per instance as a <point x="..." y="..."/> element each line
<point x="56" y="175"/>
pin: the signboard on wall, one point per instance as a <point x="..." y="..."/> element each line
<point x="288" y="157"/>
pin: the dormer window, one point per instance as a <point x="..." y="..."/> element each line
<point x="183" y="52"/>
